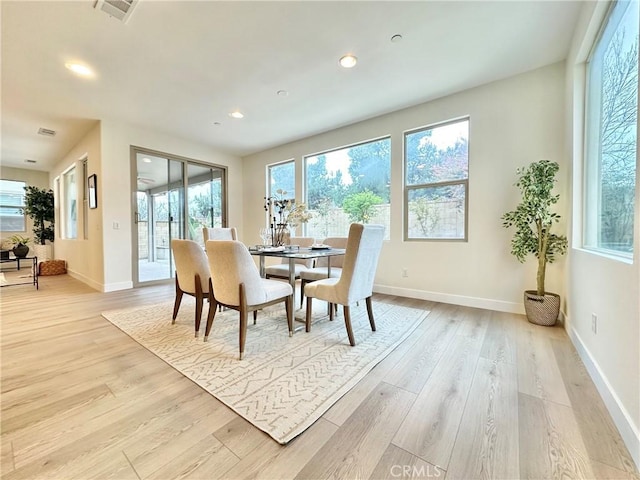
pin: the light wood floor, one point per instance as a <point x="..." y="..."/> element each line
<point x="472" y="394"/>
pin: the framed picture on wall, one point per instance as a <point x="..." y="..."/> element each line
<point x="93" y="191"/>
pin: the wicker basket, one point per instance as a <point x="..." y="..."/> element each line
<point x="542" y="310"/>
<point x="52" y="267"/>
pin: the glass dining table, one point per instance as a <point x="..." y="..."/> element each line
<point x="293" y="254"/>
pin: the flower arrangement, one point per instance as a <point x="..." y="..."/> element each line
<point x="284" y="213"/>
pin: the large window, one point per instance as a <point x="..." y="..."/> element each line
<point x="348" y="185"/>
<point x="282" y="176"/>
<point x="11" y="204"/>
<point x="612" y="132"/>
<point x="437" y="181"/>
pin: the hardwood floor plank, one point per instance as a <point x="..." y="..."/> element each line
<point x="484" y="448"/>
<point x="538" y="372"/>
<point x="500" y="342"/>
<point x="397" y="463"/>
<point x="6" y="457"/>
<point x="592" y="417"/>
<point x="550" y="442"/>
<point x="241" y="437"/>
<point x="357" y="447"/>
<point x="430" y="428"/>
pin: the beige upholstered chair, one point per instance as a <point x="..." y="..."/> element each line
<point x="281" y="270"/>
<point x="192" y="275"/>
<point x="356" y="281"/>
<point x="219" y="233"/>
<point x="320" y="271"/>
<point x="238" y="285"/>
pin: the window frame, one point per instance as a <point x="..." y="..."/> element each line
<point x="19" y="207"/>
<point x="424" y="186"/>
<point x="592" y="182"/>
<point x="66" y="197"/>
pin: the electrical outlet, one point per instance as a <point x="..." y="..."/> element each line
<point x="405" y="273"/>
<point x="594" y="323"/>
<point x="116" y="226"/>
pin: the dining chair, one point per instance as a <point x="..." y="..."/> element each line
<point x="281" y="270"/>
<point x="219" y="233"/>
<point x="321" y="268"/>
<point x="236" y="283"/>
<point x="192" y="276"/>
<point x="356" y="281"/>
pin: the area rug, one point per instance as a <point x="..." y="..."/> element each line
<point x="283" y="384"/>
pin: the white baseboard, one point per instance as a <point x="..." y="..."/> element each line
<point x="623" y="421"/>
<point x="111" y="287"/>
<point x="489" y="304"/>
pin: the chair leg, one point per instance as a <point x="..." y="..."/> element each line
<point x="347" y="322"/>
<point x="213" y="308"/>
<point x="288" y="305"/>
<point x="199" y="301"/>
<point x="302" y="283"/>
<point x="255" y="316"/>
<point x="243" y="329"/>
<point x="370" y="313"/>
<point x="176" y="304"/>
<point x="307" y="322"/>
<point x="331" y="312"/>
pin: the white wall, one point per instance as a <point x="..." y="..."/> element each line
<point x="114" y="185"/>
<point x="597" y="284"/>
<point x="35" y="178"/>
<point x="513" y="122"/>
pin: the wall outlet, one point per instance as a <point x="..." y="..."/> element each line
<point x="116" y="226"/>
<point x="594" y="323"/>
<point x="405" y="273"/>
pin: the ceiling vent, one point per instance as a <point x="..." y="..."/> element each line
<point x="46" y="132"/>
<point x="28" y="160"/>
<point x="120" y="9"/>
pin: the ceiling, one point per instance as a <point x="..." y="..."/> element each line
<point x="180" y="67"/>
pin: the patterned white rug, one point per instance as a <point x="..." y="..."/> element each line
<point x="283" y="384"/>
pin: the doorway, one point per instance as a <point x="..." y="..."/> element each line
<point x="174" y="198"/>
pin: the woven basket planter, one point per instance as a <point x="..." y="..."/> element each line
<point x="542" y="310"/>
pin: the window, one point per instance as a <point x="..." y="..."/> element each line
<point x="282" y="176"/>
<point x="70" y="208"/>
<point x="611" y="133"/>
<point x="346" y="185"/>
<point x="437" y="181"/>
<point x="11" y="204"/>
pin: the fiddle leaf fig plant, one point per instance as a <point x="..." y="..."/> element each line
<point x="533" y="218"/>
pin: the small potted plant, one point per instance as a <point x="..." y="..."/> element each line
<point x="20" y="247"/>
<point x="533" y="219"/>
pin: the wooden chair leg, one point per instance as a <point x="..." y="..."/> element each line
<point x="288" y="305"/>
<point x="308" y="316"/>
<point x="347" y="322"/>
<point x="331" y="309"/>
<point x="370" y="313"/>
<point x="302" y="284"/>
<point x="243" y="329"/>
<point x="213" y="308"/>
<point x="176" y="304"/>
<point x="255" y="316"/>
<point x="199" y="301"/>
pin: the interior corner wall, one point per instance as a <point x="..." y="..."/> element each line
<point x="35" y="178"/>
<point x="513" y="122"/>
<point x="83" y="255"/>
<point x="596" y="284"/>
<point x="116" y="197"/>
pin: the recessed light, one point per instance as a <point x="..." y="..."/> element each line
<point x="348" y="61"/>
<point x="146" y="160"/>
<point x="217" y="124"/>
<point x="79" y="69"/>
<point x="236" y="114"/>
<point x="396" y="38"/>
<point x="282" y="93"/>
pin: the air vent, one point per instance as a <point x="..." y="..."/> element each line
<point x="28" y="160"/>
<point x="46" y="132"/>
<point x="120" y="9"/>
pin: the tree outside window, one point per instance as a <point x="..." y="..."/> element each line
<point x="436" y="181"/>
<point x="348" y="185"/>
<point x="611" y="133"/>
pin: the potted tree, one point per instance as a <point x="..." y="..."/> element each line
<point x="39" y="207"/>
<point x="533" y="219"/>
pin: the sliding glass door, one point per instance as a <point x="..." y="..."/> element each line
<point x="174" y="198"/>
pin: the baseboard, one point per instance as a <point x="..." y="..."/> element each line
<point x="623" y="421"/>
<point x="489" y="304"/>
<point x="101" y="287"/>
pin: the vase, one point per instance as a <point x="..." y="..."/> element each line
<point x="21" y="250"/>
<point x="280" y="235"/>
